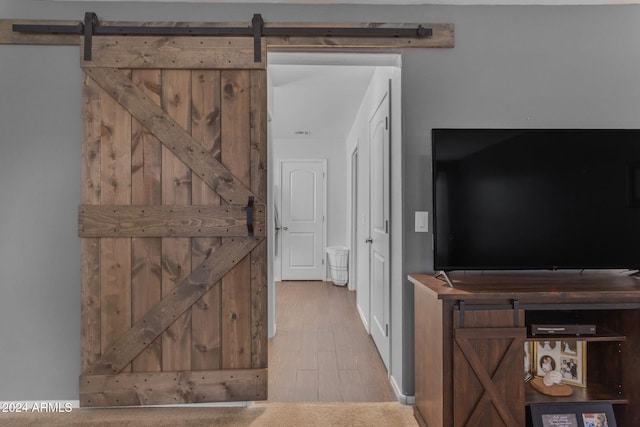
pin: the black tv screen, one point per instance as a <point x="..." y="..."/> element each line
<point x="514" y="199"/>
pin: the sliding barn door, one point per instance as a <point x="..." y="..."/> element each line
<point x="488" y="354"/>
<point x="174" y="286"/>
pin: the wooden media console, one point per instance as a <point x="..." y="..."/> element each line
<point x="470" y="340"/>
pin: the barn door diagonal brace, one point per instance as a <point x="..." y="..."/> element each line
<point x="91" y="27"/>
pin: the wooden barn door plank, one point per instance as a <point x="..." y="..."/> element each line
<point x="206" y="330"/>
<point x="91" y="315"/>
<point x="157" y="388"/>
<point x="146" y="189"/>
<point x="115" y="253"/>
<point x="236" y="156"/>
<point x="176" y="190"/>
<point x="259" y="162"/>
<point x="169" y="220"/>
<point x="173" y="52"/>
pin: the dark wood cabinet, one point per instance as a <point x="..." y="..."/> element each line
<point x="469" y="344"/>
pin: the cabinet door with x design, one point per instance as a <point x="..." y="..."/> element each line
<point x="487" y="354"/>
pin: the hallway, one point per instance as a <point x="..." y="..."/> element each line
<point x="321" y="351"/>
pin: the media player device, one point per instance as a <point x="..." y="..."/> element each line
<point x="576" y="329"/>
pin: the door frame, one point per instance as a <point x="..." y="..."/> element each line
<point x="377" y="57"/>
<point x="353" y="253"/>
<point x="389" y="61"/>
<point x="277" y="264"/>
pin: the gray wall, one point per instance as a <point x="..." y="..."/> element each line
<point x="39" y="251"/>
<point x="513" y="66"/>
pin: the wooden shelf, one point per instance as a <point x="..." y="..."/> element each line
<point x="602" y="335"/>
<point x="591" y="393"/>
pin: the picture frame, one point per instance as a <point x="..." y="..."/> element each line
<point x="569" y="357"/>
<point x="584" y="414"/>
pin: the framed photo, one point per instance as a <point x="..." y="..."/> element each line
<point x="573" y="415"/>
<point x="567" y="357"/>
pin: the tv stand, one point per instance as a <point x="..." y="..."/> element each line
<point x="469" y="344"/>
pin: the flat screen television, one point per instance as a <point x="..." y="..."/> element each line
<point x="524" y="199"/>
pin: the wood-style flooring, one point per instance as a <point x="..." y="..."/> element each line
<point x="321" y="351"/>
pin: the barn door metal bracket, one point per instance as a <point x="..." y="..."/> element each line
<point x="91" y="27"/>
<point x="90" y="22"/>
<point x="250" y="216"/>
<point x="258" y="25"/>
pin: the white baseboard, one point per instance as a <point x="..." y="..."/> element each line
<point x="364" y="320"/>
<point x="275" y="331"/>
<point x="402" y="398"/>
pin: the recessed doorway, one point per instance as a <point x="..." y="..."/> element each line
<point x="320" y="108"/>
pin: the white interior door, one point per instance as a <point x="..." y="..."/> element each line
<point x="303" y="219"/>
<point x="379" y="228"/>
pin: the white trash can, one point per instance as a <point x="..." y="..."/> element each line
<point x="338" y="257"/>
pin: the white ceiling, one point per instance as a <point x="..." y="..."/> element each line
<point x="322" y="100"/>
<point x="320" y="92"/>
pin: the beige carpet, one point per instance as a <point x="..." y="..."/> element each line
<point x="385" y="414"/>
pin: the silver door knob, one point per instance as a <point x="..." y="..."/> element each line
<point x="285" y="228"/>
<point x="369" y="240"/>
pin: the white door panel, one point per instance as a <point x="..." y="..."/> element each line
<point x="379" y="228"/>
<point x="302" y="223"/>
<point x="302" y="251"/>
<point x="303" y="195"/>
<point x="378" y="270"/>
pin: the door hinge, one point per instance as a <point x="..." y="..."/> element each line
<point x="386" y="330"/>
<point x="386" y="226"/>
<point x="322" y="261"/>
<point x="386" y="123"/>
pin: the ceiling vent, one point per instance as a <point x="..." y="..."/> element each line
<point x="302" y="132"/>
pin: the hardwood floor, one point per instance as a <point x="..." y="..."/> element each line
<point x="321" y="351"/>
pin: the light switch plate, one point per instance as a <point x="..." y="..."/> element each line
<point x="422" y="222"/>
